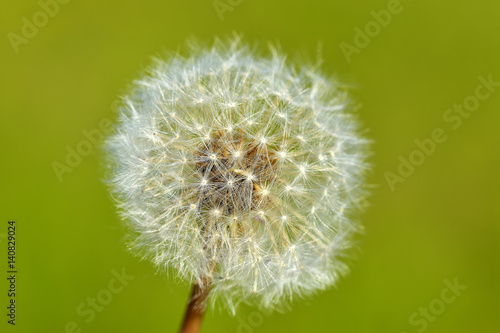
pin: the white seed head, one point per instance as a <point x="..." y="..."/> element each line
<point x="241" y="170"/>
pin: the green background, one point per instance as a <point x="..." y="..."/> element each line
<point x="440" y="224"/>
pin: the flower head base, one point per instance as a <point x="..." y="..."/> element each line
<point x="241" y="171"/>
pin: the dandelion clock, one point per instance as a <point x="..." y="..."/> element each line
<point x="241" y="172"/>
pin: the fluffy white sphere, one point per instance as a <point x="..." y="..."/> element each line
<point x="240" y="171"/>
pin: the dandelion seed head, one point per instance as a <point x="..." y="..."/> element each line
<point x="221" y="174"/>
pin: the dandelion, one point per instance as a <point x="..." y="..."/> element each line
<point x="242" y="173"/>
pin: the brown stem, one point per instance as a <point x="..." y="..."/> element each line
<point x="195" y="309"/>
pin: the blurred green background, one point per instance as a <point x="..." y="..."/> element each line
<point x="440" y="224"/>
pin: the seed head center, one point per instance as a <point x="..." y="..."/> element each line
<point x="236" y="167"/>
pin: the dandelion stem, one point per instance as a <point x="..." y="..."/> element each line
<point x="195" y="309"/>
